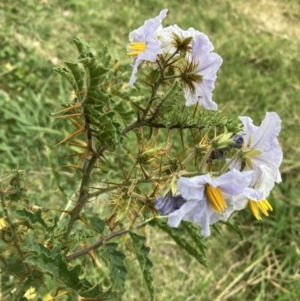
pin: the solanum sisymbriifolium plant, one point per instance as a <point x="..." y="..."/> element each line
<point x="152" y="149"/>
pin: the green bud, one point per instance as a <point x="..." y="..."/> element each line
<point x="222" y="141"/>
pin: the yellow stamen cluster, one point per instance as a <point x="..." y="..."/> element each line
<point x="216" y="198"/>
<point x="263" y="206"/>
<point x="136" y="48"/>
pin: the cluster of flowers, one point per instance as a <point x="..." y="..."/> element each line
<point x="252" y="171"/>
<point x="251" y="177"/>
<point x="200" y="70"/>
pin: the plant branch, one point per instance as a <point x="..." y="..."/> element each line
<point x="84" y="190"/>
<point x="142" y="123"/>
<point x="127" y="183"/>
<point x="102" y="241"/>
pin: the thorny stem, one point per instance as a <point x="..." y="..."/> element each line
<point x="126" y="184"/>
<point x="142" y="123"/>
<point x="12" y="229"/>
<point x="152" y="97"/>
<point x="83" y="192"/>
<point x="102" y="241"/>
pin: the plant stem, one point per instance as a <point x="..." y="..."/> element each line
<point x="83" y="192"/>
<point x="142" y="123"/>
<point x="127" y="183"/>
<point x="100" y="242"/>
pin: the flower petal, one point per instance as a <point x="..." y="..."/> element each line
<point x="147" y="35"/>
<point x="193" y="188"/>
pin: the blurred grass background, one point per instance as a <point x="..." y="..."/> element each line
<point x="259" y="42"/>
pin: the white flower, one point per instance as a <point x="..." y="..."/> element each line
<point x="208" y="199"/>
<point x="144" y="44"/>
<point x="171" y="36"/>
<point x="261" y="146"/>
<point x="201" y="63"/>
<point x="255" y="195"/>
<point x="200" y="87"/>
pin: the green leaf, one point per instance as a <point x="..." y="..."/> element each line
<point x="17" y="268"/>
<point x="93" y="75"/>
<point x="83" y="48"/>
<point x="145" y="264"/>
<point x="97" y="224"/>
<point x="195" y="235"/>
<point x="182" y="242"/>
<point x="79" y="75"/>
<point x="39" y="248"/>
<point x="116" y="259"/>
<point x="218" y="229"/>
<point x="57" y="267"/>
<point x="77" y="237"/>
<point x="95" y="72"/>
<point x="34" y="218"/>
<point x="234" y="227"/>
<point x="98" y="294"/>
<point x="65" y="73"/>
<point x="53" y="263"/>
<point x="125" y="113"/>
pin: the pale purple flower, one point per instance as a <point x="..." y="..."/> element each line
<point x="255" y="195"/>
<point x="167" y="37"/>
<point x="198" y="208"/>
<point x="262" y="182"/>
<point x="169" y="203"/>
<point x="207" y="64"/>
<point x="263" y="143"/>
<point x="144" y="44"/>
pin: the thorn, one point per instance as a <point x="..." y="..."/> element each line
<point x="144" y="172"/>
<point x="68" y="116"/>
<point x="66" y="109"/>
<point x="181" y="138"/>
<point x="196" y="107"/>
<point x="73" y="166"/>
<point x="76" y="123"/>
<point x="71" y="136"/>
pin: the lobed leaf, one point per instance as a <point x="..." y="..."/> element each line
<point x="116" y="259"/>
<point x="145" y="264"/>
<point x="195" y="235"/>
<point x="33" y="217"/>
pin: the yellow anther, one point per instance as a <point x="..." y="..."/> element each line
<point x="260" y="206"/>
<point x="215" y="198"/>
<point x="136" y="48"/>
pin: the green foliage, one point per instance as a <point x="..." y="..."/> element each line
<point x="97" y="224"/>
<point x="91" y="80"/>
<point x="116" y="260"/>
<point x="52" y="262"/>
<point x="33" y="217"/>
<point x="177" y="235"/>
<point x="142" y="252"/>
